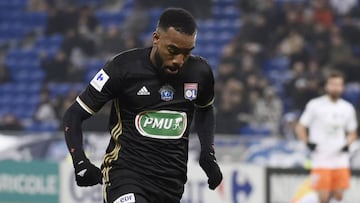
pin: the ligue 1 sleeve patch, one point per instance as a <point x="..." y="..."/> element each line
<point x="190" y="91"/>
<point x="99" y="80"/>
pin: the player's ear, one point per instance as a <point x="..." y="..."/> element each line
<point x="156" y="38"/>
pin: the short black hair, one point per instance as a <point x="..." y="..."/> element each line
<point x="178" y="18"/>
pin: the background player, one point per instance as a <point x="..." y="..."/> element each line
<point x="332" y="125"/>
<point x="154" y="92"/>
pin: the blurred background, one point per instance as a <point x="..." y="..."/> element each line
<point x="269" y="58"/>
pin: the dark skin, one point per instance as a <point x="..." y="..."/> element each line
<point x="171" y="49"/>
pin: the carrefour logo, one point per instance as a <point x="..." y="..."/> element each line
<point x="161" y="124"/>
<point x="241" y="187"/>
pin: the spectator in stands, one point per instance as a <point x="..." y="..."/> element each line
<point x="318" y="42"/>
<point x="137" y="22"/>
<point x="112" y="41"/>
<point x="288" y="123"/>
<point x="275" y="16"/>
<point x="227" y="69"/>
<point x="56" y="69"/>
<point x="75" y="40"/>
<point x="45" y="112"/>
<point x="322" y="12"/>
<point x="248" y="67"/>
<point x="247" y="6"/>
<point x="296" y="83"/>
<point x="10" y="122"/>
<point x="88" y="22"/>
<point x="350" y="31"/>
<point x="343" y="7"/>
<point x="62" y="103"/>
<point x="252" y="84"/>
<point x="268" y="111"/>
<point x="4" y="73"/>
<point x="314" y="71"/>
<point x="293" y="46"/>
<point x="340" y="57"/>
<point x="61" y="20"/>
<point x="37" y="5"/>
<point x="88" y="25"/>
<point x="232" y="108"/>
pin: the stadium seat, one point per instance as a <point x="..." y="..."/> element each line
<point x="111" y="18"/>
<point x="254" y="130"/>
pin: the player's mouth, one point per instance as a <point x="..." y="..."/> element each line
<point x="172" y="69"/>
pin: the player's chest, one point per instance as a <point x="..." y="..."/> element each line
<point x="150" y="92"/>
<point x="332" y="115"/>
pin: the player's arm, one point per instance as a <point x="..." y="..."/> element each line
<point x="301" y="128"/>
<point x="351" y="128"/>
<point x="88" y="103"/>
<point x="205" y="127"/>
<point x="301" y="132"/>
<point x="86" y="173"/>
<point x="351" y="137"/>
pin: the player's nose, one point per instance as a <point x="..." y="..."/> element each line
<point x="178" y="60"/>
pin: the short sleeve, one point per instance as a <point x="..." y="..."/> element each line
<point x="104" y="86"/>
<point x="206" y="88"/>
<point x="308" y="115"/>
<point x="352" y="123"/>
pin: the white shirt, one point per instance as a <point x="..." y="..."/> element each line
<point x="343" y="7"/>
<point x="328" y="123"/>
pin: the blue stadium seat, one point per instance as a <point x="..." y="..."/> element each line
<point x="111" y="18"/>
<point x="228" y="12"/>
<point x="20" y="88"/>
<point x="20" y="75"/>
<point x="11" y="31"/>
<point x="63" y="89"/>
<point x="352" y="94"/>
<point x="33" y="100"/>
<point x="258" y="130"/>
<point x="35" y="19"/>
<point x="45" y="42"/>
<point x="94" y="64"/>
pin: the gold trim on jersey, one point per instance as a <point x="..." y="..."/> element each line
<point x="116" y="131"/>
<point x="206" y="105"/>
<point x="84" y="106"/>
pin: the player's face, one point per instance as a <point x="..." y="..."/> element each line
<point x="172" y="49"/>
<point x="335" y="87"/>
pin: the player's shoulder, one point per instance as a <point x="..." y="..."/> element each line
<point x="199" y="64"/>
<point x="198" y="60"/>
<point x="346" y="104"/>
<point x="317" y="101"/>
<point x="126" y="61"/>
<point x="129" y="56"/>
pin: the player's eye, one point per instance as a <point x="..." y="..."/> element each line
<point x="173" y="50"/>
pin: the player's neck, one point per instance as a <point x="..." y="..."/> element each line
<point x="333" y="99"/>
<point x="152" y="56"/>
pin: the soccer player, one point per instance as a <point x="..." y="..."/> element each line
<point x="331" y="123"/>
<point x="155" y="94"/>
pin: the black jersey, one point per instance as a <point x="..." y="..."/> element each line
<point x="151" y="115"/>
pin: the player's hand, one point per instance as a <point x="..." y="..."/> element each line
<point x="311" y="146"/>
<point x="86" y="173"/>
<point x="208" y="163"/>
<point x="345" y="148"/>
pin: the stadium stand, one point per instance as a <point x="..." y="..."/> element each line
<point x="225" y="27"/>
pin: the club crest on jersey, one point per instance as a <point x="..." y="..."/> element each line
<point x="190" y="91"/>
<point x="167" y="93"/>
